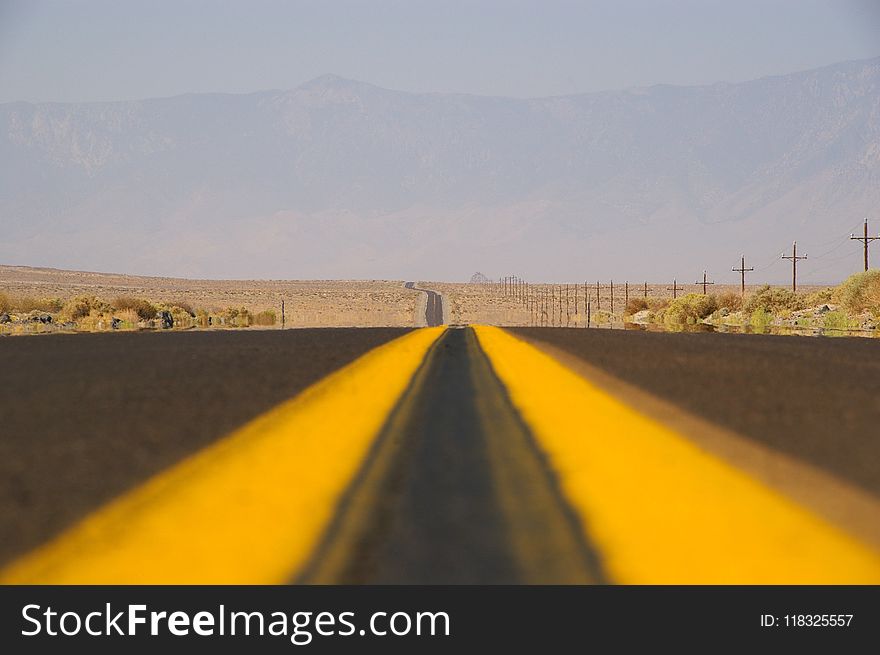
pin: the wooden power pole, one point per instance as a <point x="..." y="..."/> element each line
<point x="795" y="258"/>
<point x="674" y="289"/>
<point x="742" y="270"/>
<point x="705" y="283"/>
<point x="865" y="241"/>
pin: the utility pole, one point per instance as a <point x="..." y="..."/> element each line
<point x="612" y="296"/>
<point x="534" y="308"/>
<point x="543" y="305"/>
<point x="674" y="289"/>
<point x="540" y="307"/>
<point x="646" y="290"/>
<point x="626" y="293"/>
<point x="705" y="283"/>
<point x="742" y="270"/>
<point x="282" y="313"/>
<point x="547" y="314"/>
<point x="560" y="305"/>
<point x="547" y="308"/>
<point x="865" y="240"/>
<point x="598" y="302"/>
<point x="567" y="308"/>
<point x="795" y="258"/>
<point x="587" y="303"/>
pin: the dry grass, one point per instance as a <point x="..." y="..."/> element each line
<point x="27" y="303"/>
<point x="690" y="309"/>
<point x="266" y="317"/>
<point x="860" y="293"/>
<point x="193" y="302"/>
<point x="475" y="303"/>
<point x="129" y="317"/>
<point x="80" y="307"/>
<point x="730" y="300"/>
<point x="144" y="309"/>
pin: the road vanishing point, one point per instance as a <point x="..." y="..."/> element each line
<point x="439" y="455"/>
<point x="433" y="305"/>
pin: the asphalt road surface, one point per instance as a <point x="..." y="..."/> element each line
<point x="87" y="416"/>
<point x="465" y="482"/>
<point x="455" y="474"/>
<point x="816" y="399"/>
<point x="433" y="307"/>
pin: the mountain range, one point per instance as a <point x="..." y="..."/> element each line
<point x="341" y="179"/>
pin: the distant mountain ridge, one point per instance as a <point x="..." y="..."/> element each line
<point x="338" y="178"/>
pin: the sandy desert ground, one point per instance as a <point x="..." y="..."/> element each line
<point x="486" y="304"/>
<point x="312" y="303"/>
<point x="340" y="303"/>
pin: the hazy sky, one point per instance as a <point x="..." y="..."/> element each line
<point x="117" y="49"/>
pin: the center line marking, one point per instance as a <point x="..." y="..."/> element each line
<point x="248" y="509"/>
<point x="659" y="509"/>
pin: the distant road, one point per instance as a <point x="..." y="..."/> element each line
<point x="459" y="455"/>
<point x="434" y="306"/>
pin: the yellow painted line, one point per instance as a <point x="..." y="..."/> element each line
<point x="249" y="509"/>
<point x="658" y="508"/>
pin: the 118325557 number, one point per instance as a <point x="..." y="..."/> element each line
<point x="807" y="620"/>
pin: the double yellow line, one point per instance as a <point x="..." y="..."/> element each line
<point x="659" y="509"/>
<point x="253" y="507"/>
<point x="249" y="509"/>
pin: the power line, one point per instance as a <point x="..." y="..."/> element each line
<point x="844" y="236"/>
<point x="829" y="263"/>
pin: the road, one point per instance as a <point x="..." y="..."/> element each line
<point x="433" y="305"/>
<point x="455" y="474"/>
<point x="88" y="416"/>
<point x="440" y="456"/>
<point x="814" y="399"/>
